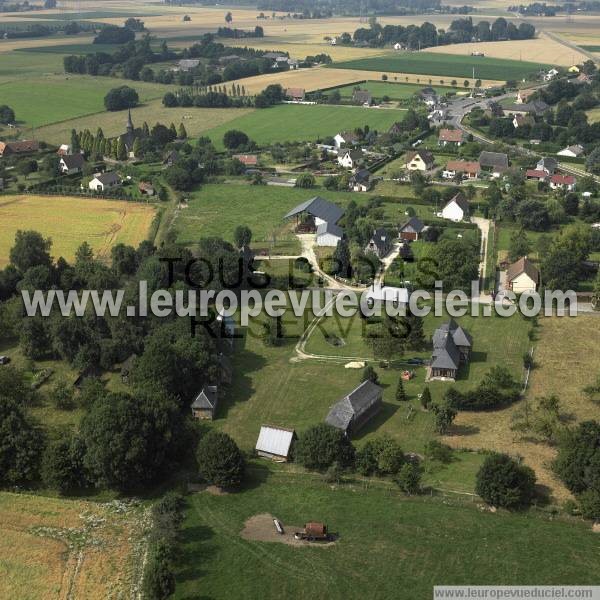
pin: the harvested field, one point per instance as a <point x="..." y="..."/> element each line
<point x="58" y="548"/>
<point x="541" y="50"/>
<point x="69" y="221"/>
<point x="260" y="528"/>
<point x="563" y="369"/>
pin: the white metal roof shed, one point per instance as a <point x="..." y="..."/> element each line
<point x="274" y="441"/>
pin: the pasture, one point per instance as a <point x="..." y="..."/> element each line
<point x="389" y="546"/>
<point x="69" y="221"/>
<point x="449" y="65"/>
<point x="52" y="99"/>
<point x="394" y="91"/>
<point x="294" y="122"/>
<point x="59" y="548"/>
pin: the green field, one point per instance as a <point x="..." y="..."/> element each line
<point x="389" y="546"/>
<point x="215" y="210"/>
<point x="52" y="99"/>
<point x="449" y="65"/>
<point x="289" y="123"/>
<point x="72" y="49"/>
<point x="395" y="91"/>
<point x="26" y="65"/>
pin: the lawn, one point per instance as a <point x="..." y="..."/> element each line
<point x="216" y="210"/>
<point x="389" y="546"/>
<point x="288" y="123"/>
<point x="54" y="98"/>
<point x="430" y="63"/>
<point x="59" y="548"/>
<point x="71" y="221"/>
<point x="395" y="91"/>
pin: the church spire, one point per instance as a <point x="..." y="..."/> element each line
<point x="129" y="122"/>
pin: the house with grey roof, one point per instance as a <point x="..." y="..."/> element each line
<point x="321" y="216"/>
<point x="547" y="164"/>
<point x="103" y="181"/>
<point x="71" y="163"/>
<point x="187" y="64"/>
<point x="205" y="403"/>
<point x="380" y="243"/>
<point x="362" y="97"/>
<point x="494" y="162"/>
<point x="451" y="348"/>
<point x="356" y="408"/>
<point x="411" y="230"/>
<point x="361" y="181"/>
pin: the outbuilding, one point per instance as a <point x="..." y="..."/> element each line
<point x="275" y="442"/>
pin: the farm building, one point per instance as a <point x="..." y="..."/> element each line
<point x="536" y="107"/>
<point x="457" y="208"/>
<point x="411" y="230"/>
<point x="494" y="162"/>
<point x="450" y="137"/>
<point x="350" y="159"/>
<point x="571" y="151"/>
<point x="562" y="182"/>
<point x="295" y="94"/>
<point x="469" y="169"/>
<point x="380" y="243"/>
<point x="537" y="174"/>
<point x="71" y="163"/>
<point x="275" y="442"/>
<point x="187" y="64"/>
<point x="522" y="276"/>
<point x="24" y="147"/>
<point x="362" y="97"/>
<point x="418" y="160"/>
<point x="104" y="181"/>
<point x="320" y="216"/>
<point x="355" y="409"/>
<point x="205" y="403"/>
<point x="548" y="165"/>
<point x="451" y="348"/>
<point x="361" y="181"/>
<point x="248" y="160"/>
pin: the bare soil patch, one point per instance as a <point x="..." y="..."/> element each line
<point x="261" y="528"/>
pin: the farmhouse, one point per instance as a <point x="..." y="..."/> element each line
<point x="522" y="276"/>
<point x="355" y="409"/>
<point x="411" y="230"/>
<point x="450" y="137"/>
<point x="205" y="403"/>
<point x="562" y="182"/>
<point x="320" y="216"/>
<point x="361" y="181"/>
<point x="248" y="160"/>
<point x="71" y="163"/>
<point x="571" y="151"/>
<point x="24" y="147"/>
<point x="380" y="243"/>
<point x="469" y="169"/>
<point x="295" y="94"/>
<point x="345" y="138"/>
<point x="457" y="208"/>
<point x="104" y="181"/>
<point x="362" y="97"/>
<point x="275" y="443"/>
<point x="536" y="107"/>
<point x="494" y="162"/>
<point x="419" y="160"/>
<point x="451" y="348"/>
<point x="548" y="165"/>
<point x="536" y="174"/>
<point x="349" y="159"/>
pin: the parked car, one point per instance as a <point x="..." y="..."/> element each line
<point x="415" y="361"/>
<point x="4" y="360"/>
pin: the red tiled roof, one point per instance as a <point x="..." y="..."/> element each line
<point x="451" y="135"/>
<point x="247" y="159"/>
<point x="563" y="179"/>
<point x="463" y="165"/>
<point x="535" y="173"/>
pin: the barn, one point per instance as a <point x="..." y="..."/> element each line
<point x="275" y="442"/>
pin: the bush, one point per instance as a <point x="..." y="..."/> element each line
<point x="409" y="478"/>
<point x="502" y="481"/>
<point x="220" y="461"/>
<point x="435" y="450"/>
<point x="305" y="181"/>
<point x="589" y="503"/>
<point x="233" y="139"/>
<point x="381" y="456"/>
<point x="321" y="446"/>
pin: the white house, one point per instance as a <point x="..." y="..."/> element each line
<point x="562" y="182"/>
<point x="329" y="234"/>
<point x="522" y="276"/>
<point x="551" y="74"/>
<point x="345" y="137"/>
<point x="457" y="208"/>
<point x="571" y="151"/>
<point x="349" y="159"/>
<point x="398" y="46"/>
<point x="103" y="181"/>
<point x="71" y="163"/>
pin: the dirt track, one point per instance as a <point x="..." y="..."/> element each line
<point x="262" y="529"/>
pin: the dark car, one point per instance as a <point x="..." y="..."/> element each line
<point x="415" y="361"/>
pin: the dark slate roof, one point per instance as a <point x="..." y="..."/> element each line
<point x="355" y="155"/>
<point x="493" y="159"/>
<point x="547" y="162"/>
<point x="207" y="398"/>
<point x="362" y="96"/>
<point x="361" y="176"/>
<point x="461" y="201"/>
<point x="318" y="207"/>
<point x="381" y="239"/>
<point x="447" y="355"/>
<point x="329" y="227"/>
<point x="107" y="178"/>
<point x="451" y="329"/>
<point x="73" y="161"/>
<point x="357" y="402"/>
<point x="415" y="223"/>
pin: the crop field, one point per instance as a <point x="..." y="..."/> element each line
<point x="539" y="50"/>
<point x="295" y="122"/>
<point x="216" y="209"/>
<point x="449" y="65"/>
<point x="47" y="100"/>
<point x="389" y="546"/>
<point x="58" y="548"/>
<point x="71" y="221"/>
<point x="394" y="91"/>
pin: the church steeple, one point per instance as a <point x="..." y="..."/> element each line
<point x="130" y="127"/>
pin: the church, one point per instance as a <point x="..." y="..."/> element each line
<point x="130" y="136"/>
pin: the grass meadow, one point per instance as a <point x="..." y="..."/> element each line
<point x="389" y="546"/>
<point x="69" y="221"/>
<point x="395" y="91"/>
<point x="450" y="65"/>
<point x="303" y="123"/>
